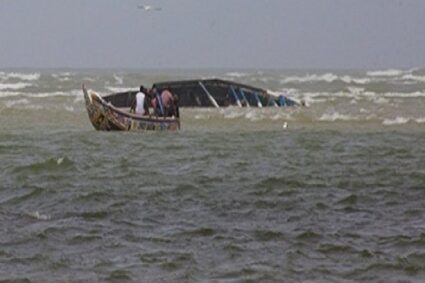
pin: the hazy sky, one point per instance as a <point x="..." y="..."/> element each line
<point x="282" y="34"/>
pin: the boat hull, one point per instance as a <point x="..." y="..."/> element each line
<point x="106" y="117"/>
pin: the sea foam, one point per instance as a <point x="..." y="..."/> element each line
<point x="385" y="73"/>
<point x="7" y="86"/>
<point x="236" y="74"/>
<point x="20" y="76"/>
<point x="37" y="215"/>
<point x="328" y="77"/>
<point x="396" y="121"/>
<point x="412" y="77"/>
<point x="120" y="89"/>
<point x="337" y="117"/>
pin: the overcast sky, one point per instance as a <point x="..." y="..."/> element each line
<point x="283" y="34"/>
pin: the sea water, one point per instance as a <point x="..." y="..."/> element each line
<point x="331" y="192"/>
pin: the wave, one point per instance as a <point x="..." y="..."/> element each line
<point x="412" y="77"/>
<point x="73" y="93"/>
<point x="63" y="77"/>
<point x="402" y="120"/>
<point x="254" y="116"/>
<point x="355" y="93"/>
<point x="236" y="74"/>
<point x="404" y="95"/>
<point x="120" y="89"/>
<point x="380" y="100"/>
<point x="386" y="73"/>
<point x="396" y="121"/>
<point x="337" y="117"/>
<point x="360" y="81"/>
<point x="233" y="114"/>
<point x="9" y="94"/>
<point x="5" y="86"/>
<point x="37" y="215"/>
<point x="20" y="76"/>
<point x="374" y="79"/>
<point x="328" y="77"/>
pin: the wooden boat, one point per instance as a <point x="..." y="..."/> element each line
<point x="107" y="116"/>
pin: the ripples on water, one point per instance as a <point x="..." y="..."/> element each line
<point x="264" y="206"/>
<point x="233" y="197"/>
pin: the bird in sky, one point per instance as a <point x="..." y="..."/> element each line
<point x="148" y="8"/>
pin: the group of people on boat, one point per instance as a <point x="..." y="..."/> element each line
<point x="163" y="104"/>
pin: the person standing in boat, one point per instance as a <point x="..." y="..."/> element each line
<point x="140" y="105"/>
<point x="164" y="103"/>
<point x="168" y="103"/>
<point x="156" y="102"/>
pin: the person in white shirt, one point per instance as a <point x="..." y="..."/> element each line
<point x="140" y="106"/>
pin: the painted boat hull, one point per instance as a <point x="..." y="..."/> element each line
<point x="106" y="117"/>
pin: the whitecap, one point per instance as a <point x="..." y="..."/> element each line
<point x="16" y="86"/>
<point x="420" y="120"/>
<point x="9" y="93"/>
<point x="253" y="116"/>
<point x="385" y="73"/>
<point x="328" y="77"/>
<point x="21" y="76"/>
<point x="396" y="121"/>
<point x="60" y="160"/>
<point x="119" y="89"/>
<point x="39" y="216"/>
<point x="72" y="93"/>
<point x="236" y="74"/>
<point x="404" y="95"/>
<point x="356" y="90"/>
<point x="232" y="114"/>
<point x="63" y="77"/>
<point x="380" y="100"/>
<point x="360" y="81"/>
<point x="337" y="117"/>
<point x="412" y="77"/>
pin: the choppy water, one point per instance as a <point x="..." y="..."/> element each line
<point x="338" y="196"/>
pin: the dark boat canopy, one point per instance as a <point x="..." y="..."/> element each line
<point x="209" y="93"/>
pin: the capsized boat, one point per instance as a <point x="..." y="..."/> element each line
<point x="106" y="114"/>
<point x="221" y="93"/>
<point x="211" y="93"/>
<point x="111" y="112"/>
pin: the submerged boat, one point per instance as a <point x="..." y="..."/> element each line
<point x="111" y="112"/>
<point x="108" y="116"/>
<point x="211" y="93"/>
